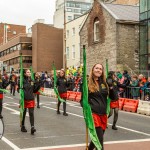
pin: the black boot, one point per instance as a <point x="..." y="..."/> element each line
<point x="114" y="127"/>
<point x="23" y="129"/>
<point x="1" y="117"/>
<point x="33" y="130"/>
<point x="58" y="105"/>
<point x="64" y="108"/>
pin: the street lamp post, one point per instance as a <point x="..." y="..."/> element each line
<point x="64" y="51"/>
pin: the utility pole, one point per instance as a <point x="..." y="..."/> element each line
<point x="65" y="59"/>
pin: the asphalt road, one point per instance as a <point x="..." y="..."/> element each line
<point x="63" y="132"/>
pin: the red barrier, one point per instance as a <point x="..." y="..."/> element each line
<point x="72" y="96"/>
<point x="130" y="105"/>
<point x="78" y="96"/>
<point x="121" y="103"/>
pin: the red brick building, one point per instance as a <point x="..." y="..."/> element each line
<point x="38" y="49"/>
<point x="11" y="31"/>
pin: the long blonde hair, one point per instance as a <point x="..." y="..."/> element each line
<point x="92" y="84"/>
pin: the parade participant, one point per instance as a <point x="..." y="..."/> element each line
<point x="113" y="95"/>
<point x="29" y="87"/>
<point x="71" y="82"/>
<point x="62" y="89"/>
<point x="97" y="97"/>
<point x="37" y="94"/>
<point x="3" y="85"/>
<point x="13" y="82"/>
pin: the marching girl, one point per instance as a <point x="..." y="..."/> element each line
<point x="29" y="87"/>
<point x="3" y="84"/>
<point x="113" y="95"/>
<point x="62" y="89"/>
<point x="97" y="97"/>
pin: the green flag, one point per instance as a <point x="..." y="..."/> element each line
<point x="5" y="91"/>
<point x="108" y="99"/>
<point x="21" y="90"/>
<point x="55" y="88"/>
<point x="87" y="109"/>
<point x="32" y="73"/>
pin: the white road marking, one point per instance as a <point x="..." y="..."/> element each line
<point x="139" y="132"/>
<point x="9" y="97"/>
<point x="81" y="145"/>
<point x="62" y="111"/>
<point x="127" y="141"/>
<point x="12" y="145"/>
<point x="14" y="111"/>
<point x="52" y="147"/>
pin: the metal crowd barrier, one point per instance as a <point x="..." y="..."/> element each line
<point x="135" y="93"/>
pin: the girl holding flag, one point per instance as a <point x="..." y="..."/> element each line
<point x="29" y="88"/>
<point x="114" y="104"/>
<point x="3" y="85"/>
<point x="97" y="98"/>
<point x="62" y="89"/>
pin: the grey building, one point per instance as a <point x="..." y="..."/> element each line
<point x="111" y="32"/>
<point x="73" y="9"/>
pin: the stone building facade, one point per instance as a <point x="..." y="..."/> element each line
<point x="118" y="36"/>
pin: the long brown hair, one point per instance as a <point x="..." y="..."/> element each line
<point x="92" y="84"/>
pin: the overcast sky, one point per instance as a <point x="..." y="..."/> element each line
<point x="25" y="12"/>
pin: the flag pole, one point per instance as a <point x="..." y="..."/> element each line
<point x="87" y="139"/>
<point x="87" y="133"/>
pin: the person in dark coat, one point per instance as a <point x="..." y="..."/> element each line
<point x="71" y="82"/>
<point x="37" y="79"/>
<point x="13" y="82"/>
<point x="62" y="89"/>
<point x="114" y="86"/>
<point x="29" y="87"/>
<point x="3" y="84"/>
<point x="97" y="98"/>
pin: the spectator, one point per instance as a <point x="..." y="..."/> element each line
<point x="135" y="87"/>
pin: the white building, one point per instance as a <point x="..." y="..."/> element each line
<point x="73" y="9"/>
<point x="73" y="40"/>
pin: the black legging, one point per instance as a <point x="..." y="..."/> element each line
<point x="38" y="99"/>
<point x="100" y="134"/>
<point x="31" y="116"/>
<point x="115" y="115"/>
<point x="64" y="106"/>
<point x="1" y="105"/>
<point x="12" y="89"/>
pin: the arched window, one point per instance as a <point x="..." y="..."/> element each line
<point x="96" y="30"/>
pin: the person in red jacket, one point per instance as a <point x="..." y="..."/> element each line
<point x="29" y="87"/>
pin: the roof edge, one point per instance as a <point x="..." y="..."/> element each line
<point x="104" y="6"/>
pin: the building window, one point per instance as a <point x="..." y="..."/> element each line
<point x="69" y="18"/>
<point x="19" y="47"/>
<point x="8" y="51"/>
<point x="77" y="10"/>
<point x="67" y="52"/>
<point x="76" y="16"/>
<point x="69" y="10"/>
<point x="67" y="34"/>
<point x="73" y="51"/>
<point x="14" y="32"/>
<point x="73" y="31"/>
<point x="96" y="30"/>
